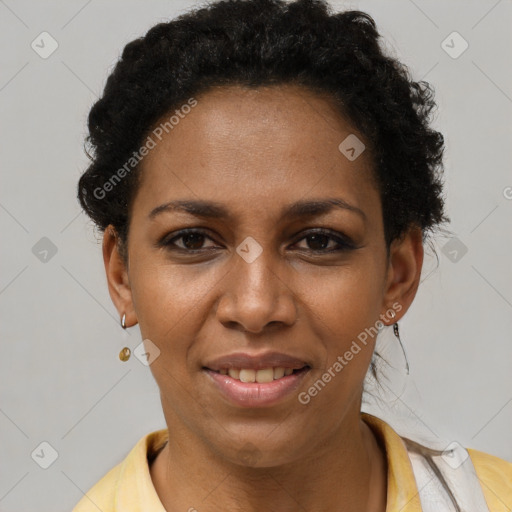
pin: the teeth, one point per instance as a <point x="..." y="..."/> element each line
<point x="279" y="372"/>
<point x="247" y="375"/>
<point x="266" y="375"/>
<point x="234" y="373"/>
<point x="250" y="375"/>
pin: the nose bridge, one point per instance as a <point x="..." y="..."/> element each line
<point x="257" y="294"/>
<point x="255" y="274"/>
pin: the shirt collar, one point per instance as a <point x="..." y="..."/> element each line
<point x="135" y="490"/>
<point x="402" y="490"/>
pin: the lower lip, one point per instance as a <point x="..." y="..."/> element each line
<point x="256" y="394"/>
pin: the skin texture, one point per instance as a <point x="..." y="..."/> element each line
<point x="257" y="151"/>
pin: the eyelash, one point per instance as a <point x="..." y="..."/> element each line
<point x="344" y="243"/>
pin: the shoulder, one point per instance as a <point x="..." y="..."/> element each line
<point x="495" y="476"/>
<point x="102" y="495"/>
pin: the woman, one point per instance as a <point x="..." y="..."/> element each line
<point x="265" y="178"/>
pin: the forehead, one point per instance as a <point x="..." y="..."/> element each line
<point x="240" y="145"/>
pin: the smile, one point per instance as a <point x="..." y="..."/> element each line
<point x="246" y="387"/>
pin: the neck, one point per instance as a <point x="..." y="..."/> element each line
<point x="346" y="471"/>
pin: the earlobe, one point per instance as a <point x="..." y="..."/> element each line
<point x="404" y="272"/>
<point x="117" y="276"/>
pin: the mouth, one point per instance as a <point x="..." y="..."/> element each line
<point x="251" y="388"/>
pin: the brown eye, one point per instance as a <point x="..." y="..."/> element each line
<point x="191" y="240"/>
<point x="318" y="241"/>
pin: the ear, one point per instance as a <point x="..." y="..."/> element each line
<point x="403" y="275"/>
<point x="117" y="276"/>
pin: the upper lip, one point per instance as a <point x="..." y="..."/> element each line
<point x="255" y="361"/>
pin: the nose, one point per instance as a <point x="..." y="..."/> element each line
<point x="257" y="294"/>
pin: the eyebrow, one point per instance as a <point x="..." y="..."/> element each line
<point x="211" y="209"/>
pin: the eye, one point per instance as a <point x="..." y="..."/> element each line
<point x="192" y="240"/>
<point x="319" y="240"/>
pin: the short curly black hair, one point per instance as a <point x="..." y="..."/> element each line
<point x="270" y="42"/>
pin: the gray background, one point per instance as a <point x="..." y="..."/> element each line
<point x="61" y="379"/>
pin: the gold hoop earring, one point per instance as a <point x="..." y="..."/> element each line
<point x="125" y="352"/>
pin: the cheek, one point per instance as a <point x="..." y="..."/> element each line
<point x="346" y="312"/>
<point x="165" y="293"/>
<point x="349" y="298"/>
<point x="347" y="308"/>
<point x="168" y="302"/>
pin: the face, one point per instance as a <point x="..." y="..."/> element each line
<point x="258" y="276"/>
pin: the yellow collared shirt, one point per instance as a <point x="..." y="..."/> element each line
<point x="128" y="486"/>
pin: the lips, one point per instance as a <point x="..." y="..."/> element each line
<point x="256" y="380"/>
